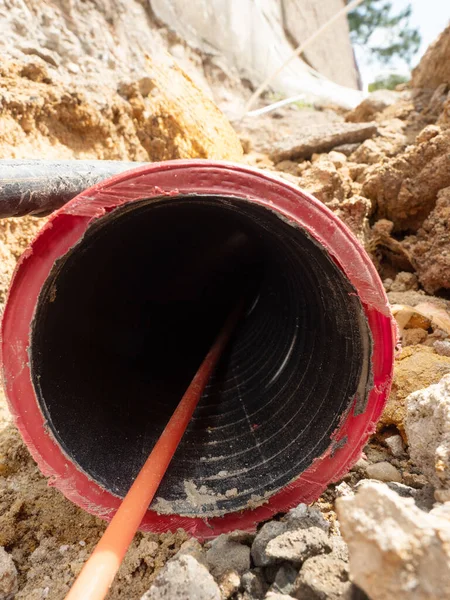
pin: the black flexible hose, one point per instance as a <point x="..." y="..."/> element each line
<point x="38" y="187"/>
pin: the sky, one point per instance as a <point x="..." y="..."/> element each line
<point x="429" y="16"/>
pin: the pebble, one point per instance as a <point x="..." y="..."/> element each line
<point x="268" y="532"/>
<point x="395" y="445"/>
<point x="383" y="471"/>
<point x="284" y="579"/>
<point x="253" y="583"/>
<point x="225" y="555"/>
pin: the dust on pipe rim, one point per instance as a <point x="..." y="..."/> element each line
<point x="174" y="179"/>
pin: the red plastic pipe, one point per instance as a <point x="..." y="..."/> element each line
<point x="68" y="225"/>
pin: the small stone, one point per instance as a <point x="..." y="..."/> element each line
<point x="360" y="465"/>
<point x="284" y="579"/>
<point x="346" y="149"/>
<point x="275" y="596"/>
<point x="229" y="584"/>
<point x="298" y="545"/>
<point x="395" y="445"/>
<point x="268" y="532"/>
<point x="322" y="577"/>
<point x="303" y="516"/>
<point x="442" y="347"/>
<point x="343" y="489"/>
<point x="253" y="583"/>
<point x="8" y="576"/>
<point x="183" y="578"/>
<point x="383" y="471"/>
<point x="225" y="555"/>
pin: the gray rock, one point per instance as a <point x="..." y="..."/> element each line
<point x="284" y="579"/>
<point x="321" y="138"/>
<point x="395" y="445"/>
<point x="303" y="516"/>
<point x="267" y="532"/>
<point x="322" y="577"/>
<point x="423" y="497"/>
<point x="8" y="576"/>
<point x="254" y="584"/>
<point x="226" y="555"/>
<point x="383" y="471"/>
<point x="298" y="545"/>
<point x="183" y="578"/>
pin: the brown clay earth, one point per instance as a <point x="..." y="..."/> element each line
<point x="392" y="190"/>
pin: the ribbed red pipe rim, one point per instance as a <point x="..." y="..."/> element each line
<point x="65" y="228"/>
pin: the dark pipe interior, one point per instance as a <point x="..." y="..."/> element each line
<point x="126" y="317"/>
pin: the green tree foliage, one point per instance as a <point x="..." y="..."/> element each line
<point x="400" y="39"/>
<point x="390" y="82"/>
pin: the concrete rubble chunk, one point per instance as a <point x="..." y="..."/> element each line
<point x="8" y="576"/>
<point x="427" y="427"/>
<point x="267" y="532"/>
<point x="300" y="517"/>
<point x="395" y="445"/>
<point x="183" y="578"/>
<point x="224" y="555"/>
<point x="323" y="577"/>
<point x="383" y="471"/>
<point x="254" y="584"/>
<point x="396" y="550"/>
<point x="229" y="584"/>
<point x="321" y="138"/>
<point x="298" y="545"/>
<point x="303" y="516"/>
<point x="284" y="579"/>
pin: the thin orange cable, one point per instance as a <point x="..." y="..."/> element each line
<point x="99" y="571"/>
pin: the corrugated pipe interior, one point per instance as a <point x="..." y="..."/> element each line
<point x="128" y="307"/>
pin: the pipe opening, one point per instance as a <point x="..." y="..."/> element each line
<point x="126" y="317"/>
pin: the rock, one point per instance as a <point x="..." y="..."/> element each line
<point x="275" y="596"/>
<point x="193" y="548"/>
<point x="225" y="555"/>
<point x="8" y="576"/>
<point x="396" y="550"/>
<point x="427" y="427"/>
<point x="284" y="579"/>
<point x="325" y="182"/>
<point x="298" y="545"/>
<point x="430" y="248"/>
<point x="322" y="577"/>
<point x="229" y="584"/>
<point x="303" y="516"/>
<point x="254" y="584"/>
<point x="371" y="106"/>
<point x="343" y="489"/>
<point x="383" y="471"/>
<point x="404" y="281"/>
<point x="442" y="347"/>
<point x="416" y="367"/>
<point x="298" y="518"/>
<point x="268" y="532"/>
<point x="321" y="138"/>
<point x="354" y="212"/>
<point x="434" y="67"/>
<point x="404" y="188"/>
<point x="423" y="497"/>
<point x="346" y="149"/>
<point x="183" y="578"/>
<point x="395" y="445"/>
